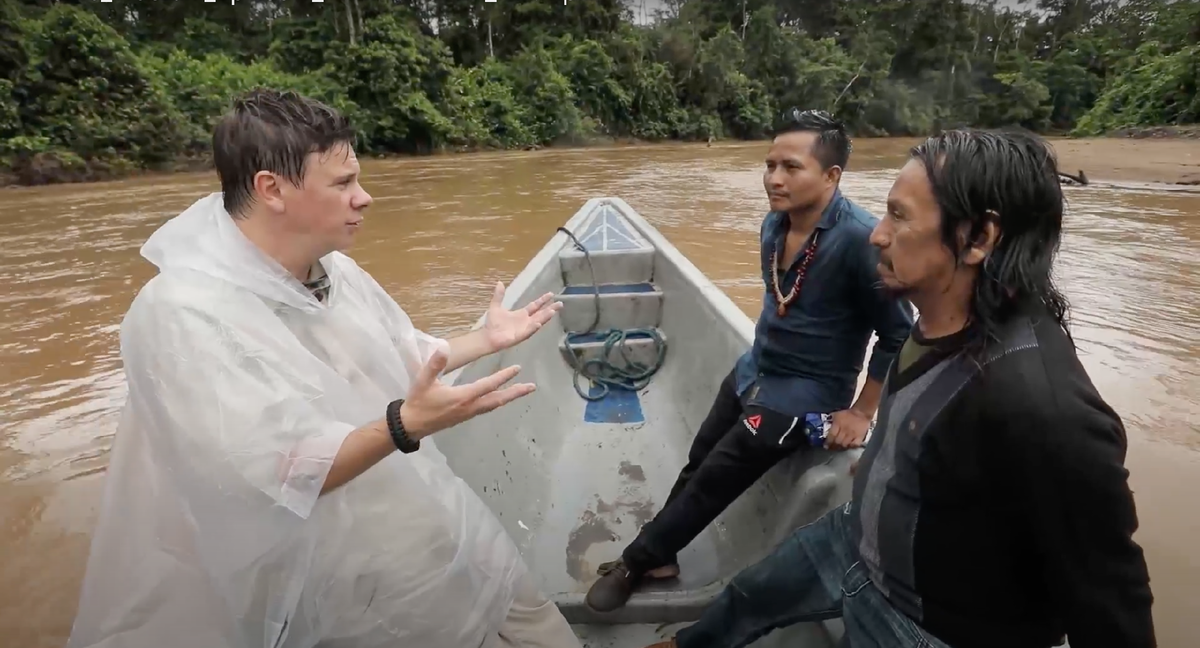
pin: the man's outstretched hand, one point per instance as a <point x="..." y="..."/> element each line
<point x="432" y="406"/>
<point x="506" y="328"/>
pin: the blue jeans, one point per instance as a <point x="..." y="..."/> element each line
<point x="814" y="575"/>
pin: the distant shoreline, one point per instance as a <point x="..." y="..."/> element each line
<point x="1118" y="156"/>
<point x="1146" y="158"/>
<point x="1191" y="131"/>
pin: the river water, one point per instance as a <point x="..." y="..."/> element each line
<point x="443" y="230"/>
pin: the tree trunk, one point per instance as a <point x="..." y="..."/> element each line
<point x="491" y="50"/>
<point x="999" y="42"/>
<point x="350" y="22"/>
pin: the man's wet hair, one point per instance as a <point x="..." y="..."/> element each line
<point x="272" y="130"/>
<point x="1010" y="177"/>
<point x="832" y="147"/>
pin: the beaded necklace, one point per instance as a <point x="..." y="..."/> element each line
<point x="786" y="300"/>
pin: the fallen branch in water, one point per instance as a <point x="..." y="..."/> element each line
<point x="1080" y="179"/>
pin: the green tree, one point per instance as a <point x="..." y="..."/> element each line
<point x="89" y="89"/>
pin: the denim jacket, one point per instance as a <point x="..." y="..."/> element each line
<point x="809" y="359"/>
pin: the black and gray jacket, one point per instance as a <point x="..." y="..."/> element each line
<point x="991" y="505"/>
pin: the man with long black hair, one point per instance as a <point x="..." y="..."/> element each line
<point x="990" y="508"/>
<point x="823" y="300"/>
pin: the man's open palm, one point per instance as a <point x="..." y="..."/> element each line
<point x="433" y="406"/>
<point x="506" y="328"/>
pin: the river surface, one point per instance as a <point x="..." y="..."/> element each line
<point x="443" y="230"/>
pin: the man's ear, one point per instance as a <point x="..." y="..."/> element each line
<point x="833" y="174"/>
<point x="982" y="246"/>
<point x="268" y="191"/>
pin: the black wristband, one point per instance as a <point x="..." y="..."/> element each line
<point x="404" y="443"/>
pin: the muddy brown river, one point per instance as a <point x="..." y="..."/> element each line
<point x="443" y="229"/>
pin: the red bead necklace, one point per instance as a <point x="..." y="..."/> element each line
<point x="785" y="301"/>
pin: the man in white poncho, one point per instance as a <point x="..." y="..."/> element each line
<point x="270" y="486"/>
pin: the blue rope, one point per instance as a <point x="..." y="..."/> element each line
<point x="601" y="372"/>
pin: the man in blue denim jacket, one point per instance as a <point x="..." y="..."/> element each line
<point x="823" y="300"/>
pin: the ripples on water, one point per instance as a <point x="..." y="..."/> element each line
<point x="440" y="233"/>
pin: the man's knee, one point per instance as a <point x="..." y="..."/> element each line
<point x="753" y="582"/>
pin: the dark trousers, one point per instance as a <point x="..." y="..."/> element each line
<point x="736" y="444"/>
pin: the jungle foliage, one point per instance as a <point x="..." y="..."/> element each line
<point x="90" y="89"/>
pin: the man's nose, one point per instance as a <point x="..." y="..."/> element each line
<point x="365" y="200"/>
<point x="878" y="238"/>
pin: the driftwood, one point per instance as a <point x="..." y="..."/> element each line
<point x="1080" y="179"/>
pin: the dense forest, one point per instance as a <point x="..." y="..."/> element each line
<point x="90" y="89"/>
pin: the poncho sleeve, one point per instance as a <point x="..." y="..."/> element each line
<point x="221" y="403"/>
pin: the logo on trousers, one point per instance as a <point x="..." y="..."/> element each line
<point x="752" y="423"/>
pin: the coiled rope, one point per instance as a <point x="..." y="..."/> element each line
<point x="601" y="372"/>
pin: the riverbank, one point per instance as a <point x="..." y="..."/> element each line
<point x="1130" y="159"/>
<point x="1167" y="155"/>
<point x="53" y="169"/>
<point x="1158" y="132"/>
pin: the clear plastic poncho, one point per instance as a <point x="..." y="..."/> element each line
<point x="242" y="387"/>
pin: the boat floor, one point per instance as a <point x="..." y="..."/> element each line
<point x="611" y="479"/>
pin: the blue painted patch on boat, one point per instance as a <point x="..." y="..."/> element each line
<point x="610" y="232"/>
<point x="609" y="289"/>
<point x="619" y="406"/>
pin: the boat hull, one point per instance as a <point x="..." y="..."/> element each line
<point x="572" y="480"/>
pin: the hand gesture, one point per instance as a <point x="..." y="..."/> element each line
<point x="849" y="430"/>
<point x="507" y="328"/>
<point x="432" y="406"/>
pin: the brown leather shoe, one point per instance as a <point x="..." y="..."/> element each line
<point x="664" y="572"/>
<point x="614" y="588"/>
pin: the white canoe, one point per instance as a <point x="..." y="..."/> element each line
<point x="572" y="480"/>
